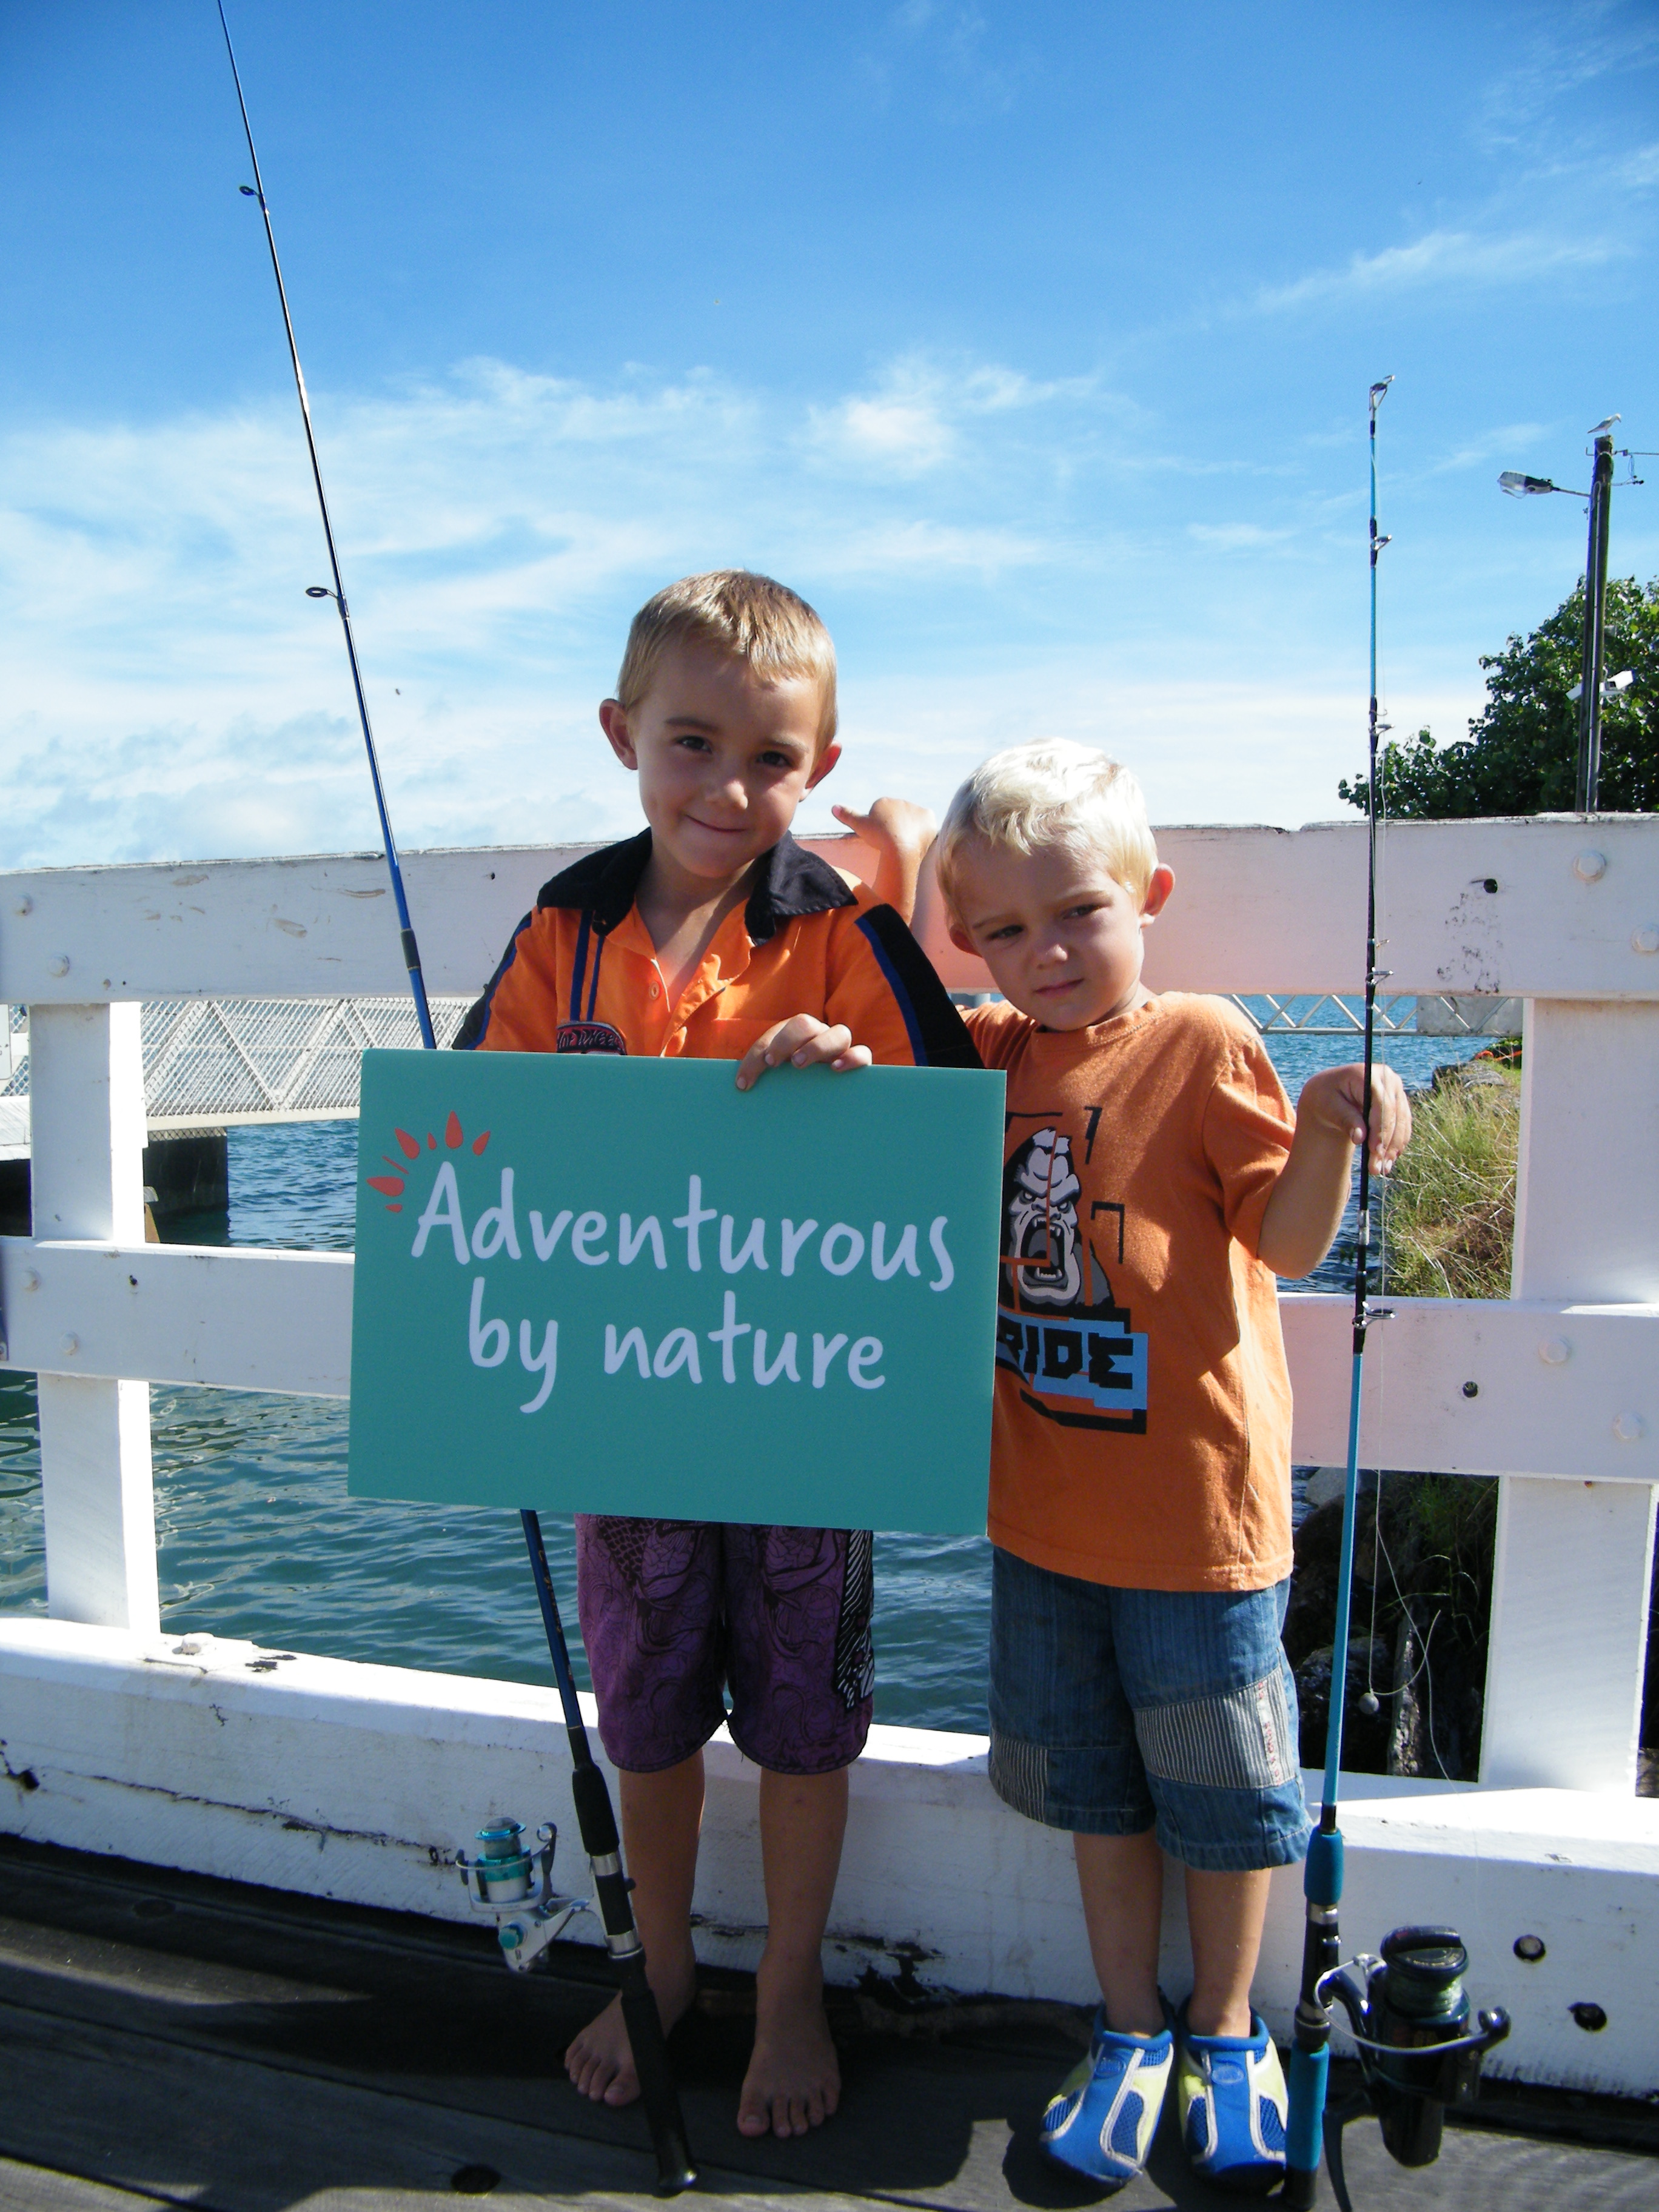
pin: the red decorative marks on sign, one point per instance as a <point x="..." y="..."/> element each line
<point x="431" y="1142"/>
<point x="478" y="1143"/>
<point x="388" y="1186"/>
<point x="408" y="1145"/>
<point x="452" y="1133"/>
<point x="394" y="1209"/>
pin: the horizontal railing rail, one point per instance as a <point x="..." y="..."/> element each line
<point x="1551" y="907"/>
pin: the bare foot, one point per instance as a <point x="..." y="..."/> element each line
<point x="600" y="2061"/>
<point x="793" y="2081"/>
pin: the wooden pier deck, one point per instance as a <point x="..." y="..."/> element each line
<point x="170" y="2041"/>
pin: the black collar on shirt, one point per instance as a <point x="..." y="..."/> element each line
<point x="791" y="882"/>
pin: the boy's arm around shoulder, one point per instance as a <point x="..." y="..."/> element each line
<point x="900" y="835"/>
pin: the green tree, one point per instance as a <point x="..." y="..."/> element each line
<point x="1521" y="756"/>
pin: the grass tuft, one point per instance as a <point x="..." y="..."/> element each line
<point x="1450" y="1217"/>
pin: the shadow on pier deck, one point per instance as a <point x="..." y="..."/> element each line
<point x="170" y="2040"/>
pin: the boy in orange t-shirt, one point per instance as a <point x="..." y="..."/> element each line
<point x="1156" y="1182"/>
<point x="712" y="935"/>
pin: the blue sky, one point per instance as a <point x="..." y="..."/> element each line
<point x="1030" y="342"/>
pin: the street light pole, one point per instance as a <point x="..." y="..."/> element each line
<point x="1595" y="612"/>
<point x="1600" y="495"/>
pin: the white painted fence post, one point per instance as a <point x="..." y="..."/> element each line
<point x="87" y="1134"/>
<point x="1570" y="1592"/>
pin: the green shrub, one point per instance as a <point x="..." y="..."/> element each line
<point x="1450" y="1209"/>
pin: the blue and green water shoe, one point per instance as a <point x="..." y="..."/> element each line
<point x="1102" y="2122"/>
<point x="1232" y="2106"/>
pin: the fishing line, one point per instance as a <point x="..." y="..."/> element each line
<point x="256" y="191"/>
<point x="590" y="1792"/>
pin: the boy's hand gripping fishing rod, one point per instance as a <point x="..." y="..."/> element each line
<point x="594" y="1815"/>
<point x="1409" y="2019"/>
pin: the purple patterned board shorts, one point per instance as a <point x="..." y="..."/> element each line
<point x="674" y="1611"/>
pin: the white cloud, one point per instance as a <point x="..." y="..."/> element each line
<point x="1566" y="47"/>
<point x="1236" y="536"/>
<point x="170" y="689"/>
<point x="922" y="411"/>
<point x="1440" y="256"/>
<point x="909" y="433"/>
<point x="171" y="693"/>
<point x="1638" y="172"/>
<point x="1507" y="438"/>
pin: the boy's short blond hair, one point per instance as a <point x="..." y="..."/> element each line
<point x="1052" y="792"/>
<point x="748" y="617"/>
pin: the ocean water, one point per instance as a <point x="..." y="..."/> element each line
<point x="256" y="1538"/>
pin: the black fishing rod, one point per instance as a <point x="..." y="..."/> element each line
<point x="1409" y="2021"/>
<point x="597" y="1824"/>
<point x="595" y="1817"/>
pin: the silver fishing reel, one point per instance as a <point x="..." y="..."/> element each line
<point x="513" y="1885"/>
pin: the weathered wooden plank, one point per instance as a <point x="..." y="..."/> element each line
<point x="178" y="2122"/>
<point x="105" y="1959"/>
<point x="319" y="925"/>
<point x="87" y="1071"/>
<point x="1574" y="1566"/>
<point x="1283" y="911"/>
<point x="350" y="1782"/>
<point x="240" y="1320"/>
<point x="1560" y="1388"/>
<point x="154" y="2122"/>
<point x="1255" y="910"/>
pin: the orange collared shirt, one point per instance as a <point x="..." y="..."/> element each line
<point x="580" y="973"/>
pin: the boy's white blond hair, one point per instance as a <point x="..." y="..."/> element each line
<point x="1051" y="792"/>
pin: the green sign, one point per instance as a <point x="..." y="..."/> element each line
<point x="586" y="1283"/>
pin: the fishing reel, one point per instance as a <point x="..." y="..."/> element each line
<point x="513" y="1884"/>
<point x="1417" y="2054"/>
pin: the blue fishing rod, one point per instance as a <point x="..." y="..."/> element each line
<point x="595" y="1816"/>
<point x="1409" y="2019"/>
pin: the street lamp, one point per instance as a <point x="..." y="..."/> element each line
<point x="1591" y="688"/>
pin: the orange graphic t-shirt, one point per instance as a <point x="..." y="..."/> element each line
<point x="1142" y="1427"/>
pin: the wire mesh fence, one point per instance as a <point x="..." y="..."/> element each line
<point x="227" y="1060"/>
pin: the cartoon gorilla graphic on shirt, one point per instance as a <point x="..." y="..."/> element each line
<point x="1040" y="1191"/>
<point x="1058" y="1325"/>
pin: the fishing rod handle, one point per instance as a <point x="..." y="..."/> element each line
<point x="658" y="2092"/>
<point x="640" y="2017"/>
<point x="595" y="1817"/>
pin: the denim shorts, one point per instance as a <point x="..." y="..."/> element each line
<point x="1116" y="1711"/>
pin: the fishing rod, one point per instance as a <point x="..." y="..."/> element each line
<point x="256" y="191"/>
<point x="597" y="1824"/>
<point x="1409" y="2021"/>
<point x="595" y="1818"/>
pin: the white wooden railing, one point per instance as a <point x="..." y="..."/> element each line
<point x="1556" y="1390"/>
